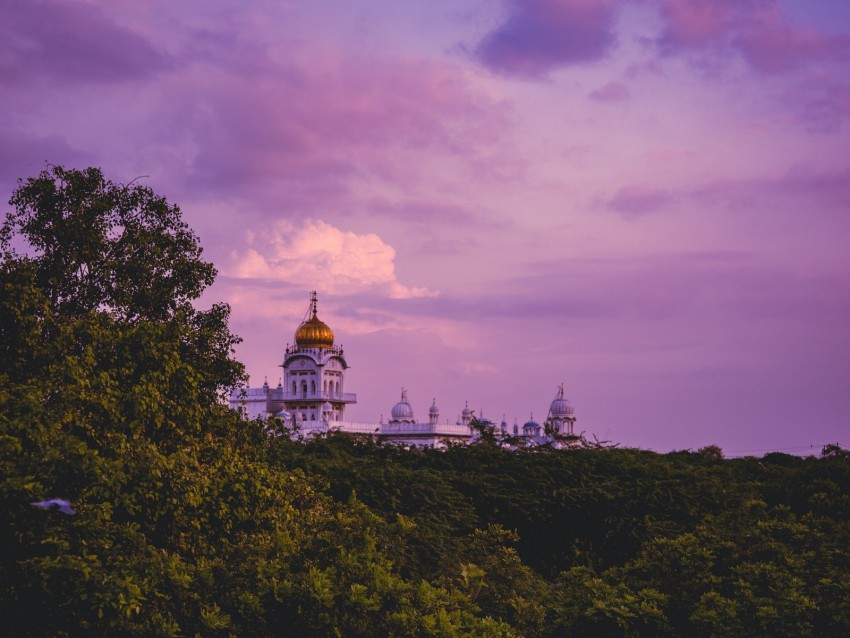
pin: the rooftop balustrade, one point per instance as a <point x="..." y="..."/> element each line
<point x="333" y="397"/>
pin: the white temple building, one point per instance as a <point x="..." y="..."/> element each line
<point x="310" y="400"/>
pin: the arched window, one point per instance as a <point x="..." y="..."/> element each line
<point x="294" y="388"/>
<point x="313" y="386"/>
<point x="304" y="389"/>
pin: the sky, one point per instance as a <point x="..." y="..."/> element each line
<point x="645" y="200"/>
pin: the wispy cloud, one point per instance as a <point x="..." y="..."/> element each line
<point x="22" y="151"/>
<point x="611" y="92"/>
<point x="635" y="200"/>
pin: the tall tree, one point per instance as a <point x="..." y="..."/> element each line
<point x="101" y="245"/>
<point x="93" y="245"/>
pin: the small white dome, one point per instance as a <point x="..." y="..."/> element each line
<point x="434" y="409"/>
<point x="466" y="411"/>
<point x="561" y="407"/>
<point x="402" y="410"/>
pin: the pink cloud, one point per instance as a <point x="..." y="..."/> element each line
<point x="542" y="35"/>
<point x="71" y="42"/>
<point x="771" y="44"/>
<point x="760" y="30"/>
<point x="696" y="23"/>
<point x="611" y="92"/>
<point x="327" y="120"/>
<point x="317" y="254"/>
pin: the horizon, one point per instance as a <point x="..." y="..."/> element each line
<point x="644" y="200"/>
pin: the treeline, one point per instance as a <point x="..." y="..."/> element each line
<point x="611" y="542"/>
<point x="190" y="522"/>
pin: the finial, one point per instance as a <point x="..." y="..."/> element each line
<point x="314" y="301"/>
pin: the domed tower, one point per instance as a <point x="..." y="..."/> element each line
<point x="531" y="428"/>
<point x="314" y="371"/>
<point x="467" y="415"/>
<point x="433" y="413"/>
<point x="402" y="411"/>
<point x="561" y="416"/>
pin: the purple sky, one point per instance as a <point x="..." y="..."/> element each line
<point x="647" y="200"/>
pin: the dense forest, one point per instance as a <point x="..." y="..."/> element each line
<point x="190" y="522"/>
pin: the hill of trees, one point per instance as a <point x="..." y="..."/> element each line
<point x="190" y="522"/>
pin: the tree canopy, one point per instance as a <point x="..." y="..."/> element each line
<point x="110" y="397"/>
<point x="98" y="245"/>
<point x="191" y="522"/>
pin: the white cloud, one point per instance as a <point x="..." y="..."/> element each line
<point x="317" y="255"/>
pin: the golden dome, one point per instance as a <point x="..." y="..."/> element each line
<point x="314" y="333"/>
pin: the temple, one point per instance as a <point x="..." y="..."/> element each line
<point x="310" y="400"/>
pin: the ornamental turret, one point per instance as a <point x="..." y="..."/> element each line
<point x="467" y="415"/>
<point x="433" y="413"/>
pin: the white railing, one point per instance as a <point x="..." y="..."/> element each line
<point x="308" y="428"/>
<point x="341" y="397"/>
<point x="277" y="394"/>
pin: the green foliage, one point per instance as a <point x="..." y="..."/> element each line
<point x="191" y="522"/>
<point x="110" y="388"/>
<point x="615" y="542"/>
<point x="101" y="245"/>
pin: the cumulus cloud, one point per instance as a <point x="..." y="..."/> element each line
<point x="71" y="42"/>
<point x="541" y="35"/>
<point x="318" y="255"/>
